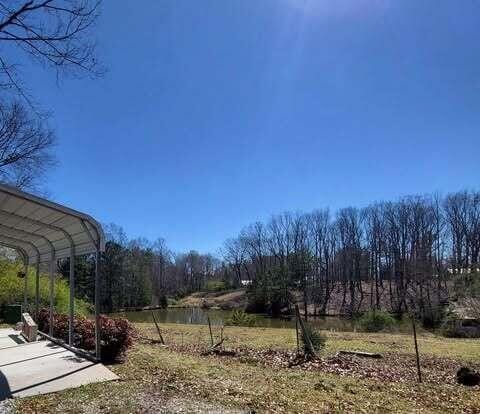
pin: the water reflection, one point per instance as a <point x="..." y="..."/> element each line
<point x="198" y="316"/>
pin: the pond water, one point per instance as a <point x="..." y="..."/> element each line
<point x="198" y="316"/>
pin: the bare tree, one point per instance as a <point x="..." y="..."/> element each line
<point x="56" y="33"/>
<point x="234" y="255"/>
<point x="26" y="146"/>
<point x="160" y="262"/>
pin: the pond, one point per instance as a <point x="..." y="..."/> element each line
<point x="198" y="316"/>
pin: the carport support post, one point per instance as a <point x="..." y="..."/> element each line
<point x="72" y="297"/>
<point x="50" y="324"/>
<point x="37" y="289"/>
<point x="97" y="304"/>
<point x="25" y="287"/>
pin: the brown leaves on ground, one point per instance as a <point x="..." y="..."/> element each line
<point x="393" y="367"/>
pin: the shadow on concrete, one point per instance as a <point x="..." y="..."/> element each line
<point x="5" y="391"/>
<point x="31" y="359"/>
<point x="17" y="339"/>
<point x="74" y="358"/>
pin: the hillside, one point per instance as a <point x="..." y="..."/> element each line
<point x="231" y="299"/>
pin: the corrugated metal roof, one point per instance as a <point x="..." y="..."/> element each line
<point x="43" y="230"/>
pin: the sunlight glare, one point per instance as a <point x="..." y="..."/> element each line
<point x="337" y="8"/>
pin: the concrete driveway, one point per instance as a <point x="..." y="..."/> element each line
<point x="42" y="367"/>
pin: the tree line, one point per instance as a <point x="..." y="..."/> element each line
<point x="399" y="256"/>
<point x="138" y="273"/>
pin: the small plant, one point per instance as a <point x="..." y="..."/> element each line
<point x="317" y="338"/>
<point x="376" y="321"/>
<point x="241" y="318"/>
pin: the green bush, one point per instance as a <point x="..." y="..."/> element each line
<point x="241" y="318"/>
<point x="216" y="286"/>
<point x="163" y="302"/>
<point x="376" y="321"/>
<point x="171" y="302"/>
<point x="12" y="286"/>
<point x="317" y="338"/>
<point x="270" y="293"/>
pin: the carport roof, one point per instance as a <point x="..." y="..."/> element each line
<point x="42" y="230"/>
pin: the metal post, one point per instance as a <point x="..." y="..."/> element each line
<point x="417" y="355"/>
<point x="52" y="263"/>
<point x="25" y="287"/>
<point x="97" y="304"/>
<point x="37" y="289"/>
<point x="72" y="297"/>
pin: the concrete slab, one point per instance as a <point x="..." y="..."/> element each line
<point x="42" y="367"/>
<point x="10" y="337"/>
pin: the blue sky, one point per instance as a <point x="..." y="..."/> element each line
<point x="218" y="113"/>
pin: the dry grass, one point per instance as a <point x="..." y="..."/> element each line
<point x="276" y="338"/>
<point x="155" y="377"/>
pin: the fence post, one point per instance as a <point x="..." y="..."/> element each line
<point x="416" y="349"/>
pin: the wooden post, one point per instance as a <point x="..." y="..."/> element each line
<point x="416" y="349"/>
<point x="158" y="329"/>
<point x="210" y="329"/>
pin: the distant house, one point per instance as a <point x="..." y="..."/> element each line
<point x="463" y="271"/>
<point x="463" y="321"/>
<point x="246" y="282"/>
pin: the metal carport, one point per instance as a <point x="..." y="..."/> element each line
<point x="43" y="232"/>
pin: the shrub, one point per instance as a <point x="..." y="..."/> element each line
<point x="171" y="302"/>
<point x="375" y="321"/>
<point x="433" y="318"/>
<point x="117" y="334"/>
<point x="216" y="286"/>
<point x="269" y="294"/>
<point x="317" y="338"/>
<point x="454" y="328"/>
<point x="241" y="318"/>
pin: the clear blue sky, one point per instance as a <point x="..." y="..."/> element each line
<point x="215" y="114"/>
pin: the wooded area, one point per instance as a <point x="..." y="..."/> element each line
<point x="410" y="255"/>
<point x="398" y="256"/>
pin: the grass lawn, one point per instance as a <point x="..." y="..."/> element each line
<point x="179" y="377"/>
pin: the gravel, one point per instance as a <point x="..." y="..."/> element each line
<point x="6" y="406"/>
